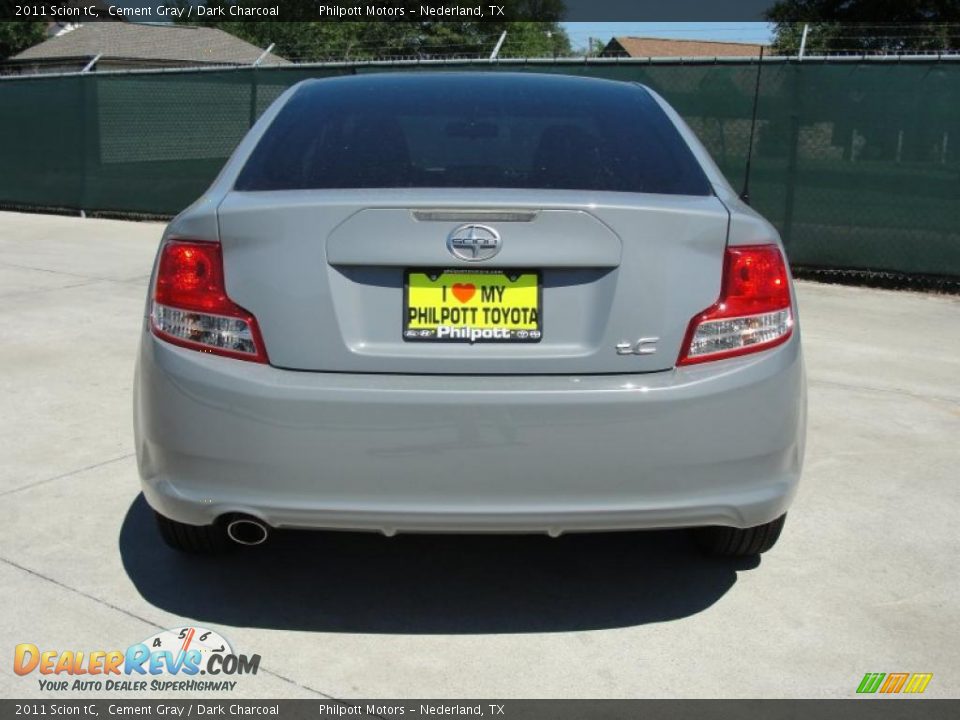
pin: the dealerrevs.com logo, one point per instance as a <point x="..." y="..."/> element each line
<point x="182" y="659"/>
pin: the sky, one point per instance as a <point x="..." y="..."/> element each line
<point x="751" y="32"/>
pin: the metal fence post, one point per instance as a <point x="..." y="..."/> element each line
<point x="90" y="147"/>
<point x="792" y="158"/>
<point x="253" y="82"/>
<point x="254" y="75"/>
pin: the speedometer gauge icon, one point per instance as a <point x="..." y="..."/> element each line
<point x="177" y="640"/>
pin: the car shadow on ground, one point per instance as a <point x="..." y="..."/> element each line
<point x="414" y="584"/>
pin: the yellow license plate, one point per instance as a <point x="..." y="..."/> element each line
<point x="472" y="306"/>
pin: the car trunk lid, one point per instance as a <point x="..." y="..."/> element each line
<point x="618" y="276"/>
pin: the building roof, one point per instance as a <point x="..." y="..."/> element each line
<point x="163" y="44"/>
<point x="662" y="47"/>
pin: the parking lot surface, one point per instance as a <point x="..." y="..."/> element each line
<point x="864" y="579"/>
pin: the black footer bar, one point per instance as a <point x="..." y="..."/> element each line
<point x="872" y="708"/>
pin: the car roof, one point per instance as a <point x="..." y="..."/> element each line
<point x="556" y="82"/>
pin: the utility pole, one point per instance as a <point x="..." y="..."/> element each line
<point x="803" y="41"/>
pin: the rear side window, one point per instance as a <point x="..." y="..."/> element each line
<point x="473" y="131"/>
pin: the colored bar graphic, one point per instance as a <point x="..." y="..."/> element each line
<point x="918" y="682"/>
<point x="893" y="683"/>
<point x="870" y="682"/>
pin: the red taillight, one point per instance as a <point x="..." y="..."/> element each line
<point x="754" y="310"/>
<point x="191" y="307"/>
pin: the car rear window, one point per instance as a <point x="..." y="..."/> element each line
<point x="477" y="131"/>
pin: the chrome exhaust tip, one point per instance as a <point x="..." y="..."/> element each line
<point x="247" y="531"/>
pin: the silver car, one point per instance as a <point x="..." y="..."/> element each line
<point x="470" y="302"/>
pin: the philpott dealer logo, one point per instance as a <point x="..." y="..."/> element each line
<point x="182" y="659"/>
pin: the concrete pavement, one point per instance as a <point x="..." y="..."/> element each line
<point x="864" y="578"/>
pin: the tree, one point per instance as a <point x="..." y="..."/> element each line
<point x="17" y="36"/>
<point x="851" y="25"/>
<point x="595" y="47"/>
<point x="308" y="40"/>
<point x="532" y="39"/>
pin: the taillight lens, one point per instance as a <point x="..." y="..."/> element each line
<point x="191" y="307"/>
<point x="753" y="313"/>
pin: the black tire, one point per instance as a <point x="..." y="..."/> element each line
<point x="194" y="539"/>
<point x="739" y="542"/>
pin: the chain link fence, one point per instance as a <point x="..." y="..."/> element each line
<point x="855" y="160"/>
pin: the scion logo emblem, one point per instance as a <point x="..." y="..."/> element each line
<point x="474" y="243"/>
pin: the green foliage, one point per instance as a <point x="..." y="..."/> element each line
<point x="533" y="39"/>
<point x="596" y="47"/>
<point x="313" y="41"/>
<point x="850" y="25"/>
<point x="17" y="36"/>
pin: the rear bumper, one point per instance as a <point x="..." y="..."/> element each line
<point x="720" y="444"/>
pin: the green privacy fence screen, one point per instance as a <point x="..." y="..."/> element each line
<point x="856" y="162"/>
